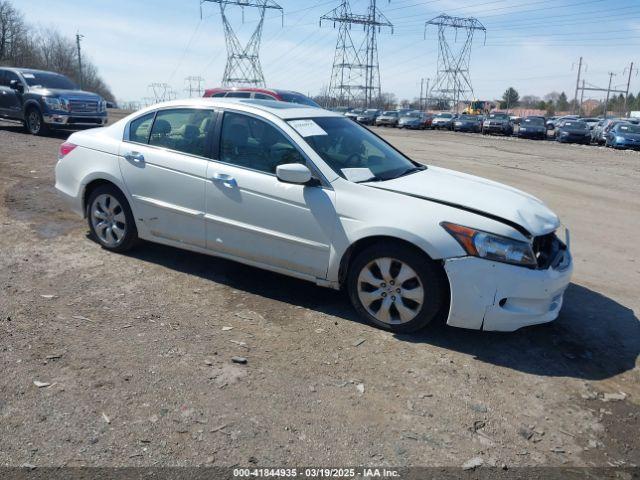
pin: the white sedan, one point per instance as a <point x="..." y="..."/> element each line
<point x="308" y="193"/>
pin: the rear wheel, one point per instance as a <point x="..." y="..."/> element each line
<point x="35" y="123"/>
<point x="110" y="219"/>
<point x="396" y="288"/>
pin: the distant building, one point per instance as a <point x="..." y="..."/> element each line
<point x="588" y="106"/>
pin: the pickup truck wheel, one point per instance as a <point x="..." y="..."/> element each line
<point x="35" y="123"/>
<point x="395" y="288"/>
<point x="110" y="219"/>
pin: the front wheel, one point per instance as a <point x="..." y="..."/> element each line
<point x="396" y="288"/>
<point x="35" y="123"/>
<point x="110" y="219"/>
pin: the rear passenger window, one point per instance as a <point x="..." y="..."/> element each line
<point x="139" y="129"/>
<point x="183" y="129"/>
<point x="239" y="95"/>
<point x="263" y="96"/>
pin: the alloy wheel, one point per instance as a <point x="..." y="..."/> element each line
<point x="34" y="121"/>
<point x="390" y="290"/>
<point x="108" y="220"/>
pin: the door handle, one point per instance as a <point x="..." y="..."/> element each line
<point x="226" y="180"/>
<point x="134" y="157"/>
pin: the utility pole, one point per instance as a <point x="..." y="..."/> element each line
<point x="78" y="37"/>
<point x="194" y="85"/>
<point x="626" y="96"/>
<point x="575" y="97"/>
<point x="421" y="92"/>
<point x="606" y="102"/>
<point x="581" y="98"/>
<point x="426" y="95"/>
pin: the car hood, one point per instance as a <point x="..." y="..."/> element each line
<point x="497" y="120"/>
<point x="532" y="127"/>
<point x="575" y="130"/>
<point x="81" y="94"/>
<point x="485" y="197"/>
<point x="409" y="119"/>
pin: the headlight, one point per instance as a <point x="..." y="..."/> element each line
<point x="103" y="106"/>
<point x="523" y="129"/>
<point x="619" y="139"/>
<point x="56" y="103"/>
<point x="490" y="246"/>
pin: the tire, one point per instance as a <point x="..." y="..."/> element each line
<point x="34" y="123"/>
<point x="403" y="314"/>
<point x="121" y="233"/>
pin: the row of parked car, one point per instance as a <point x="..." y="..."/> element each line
<point x="612" y="132"/>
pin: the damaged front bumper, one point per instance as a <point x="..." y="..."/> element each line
<point x="496" y="296"/>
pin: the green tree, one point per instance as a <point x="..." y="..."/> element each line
<point x="562" y="104"/>
<point x="510" y="98"/>
<point x="541" y="105"/>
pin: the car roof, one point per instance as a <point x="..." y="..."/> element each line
<point x="30" y="70"/>
<point x="283" y="110"/>
<point x="277" y="91"/>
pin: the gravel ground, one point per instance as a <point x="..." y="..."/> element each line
<point x="134" y="351"/>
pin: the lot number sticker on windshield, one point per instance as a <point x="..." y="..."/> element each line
<point x="307" y="128"/>
<point x="28" y="75"/>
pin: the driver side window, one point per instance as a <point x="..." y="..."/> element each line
<point x="252" y="143"/>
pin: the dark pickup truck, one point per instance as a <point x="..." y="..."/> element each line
<point x="46" y="100"/>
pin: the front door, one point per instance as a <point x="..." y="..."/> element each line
<point x="164" y="166"/>
<point x="10" y="99"/>
<point x="252" y="215"/>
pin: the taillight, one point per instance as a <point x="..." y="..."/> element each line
<point x="65" y="149"/>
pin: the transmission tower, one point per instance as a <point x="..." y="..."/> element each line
<point x="194" y="86"/>
<point x="162" y="92"/>
<point x="453" y="82"/>
<point x="355" y="77"/>
<point x="243" y="63"/>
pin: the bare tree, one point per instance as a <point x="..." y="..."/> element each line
<point x="46" y="49"/>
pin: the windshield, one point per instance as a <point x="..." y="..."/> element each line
<point x="48" y="80"/>
<point x="390" y="114"/>
<point x="499" y="116"/>
<point x="468" y="117"/>
<point x="344" y="145"/>
<point x="444" y="115"/>
<point x="630" y="128"/>
<point x="534" y="121"/>
<point x="371" y="112"/>
<point x="413" y="114"/>
<point x="575" y="124"/>
<point x="293" y="97"/>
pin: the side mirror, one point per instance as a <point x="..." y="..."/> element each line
<point x="16" y="85"/>
<point x="293" y="173"/>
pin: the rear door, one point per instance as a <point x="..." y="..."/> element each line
<point x="254" y="216"/>
<point x="164" y="163"/>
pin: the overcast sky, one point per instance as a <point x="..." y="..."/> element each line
<point x="532" y="45"/>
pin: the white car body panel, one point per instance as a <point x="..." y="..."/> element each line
<point x="306" y="232"/>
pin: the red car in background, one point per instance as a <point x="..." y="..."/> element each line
<point x="261" y="94"/>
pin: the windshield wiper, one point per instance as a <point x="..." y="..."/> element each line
<point x="375" y="178"/>
<point x="409" y="171"/>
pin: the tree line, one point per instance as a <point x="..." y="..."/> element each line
<point x="558" y="102"/>
<point x="23" y="45"/>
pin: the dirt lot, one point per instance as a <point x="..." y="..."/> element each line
<point x="137" y="348"/>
